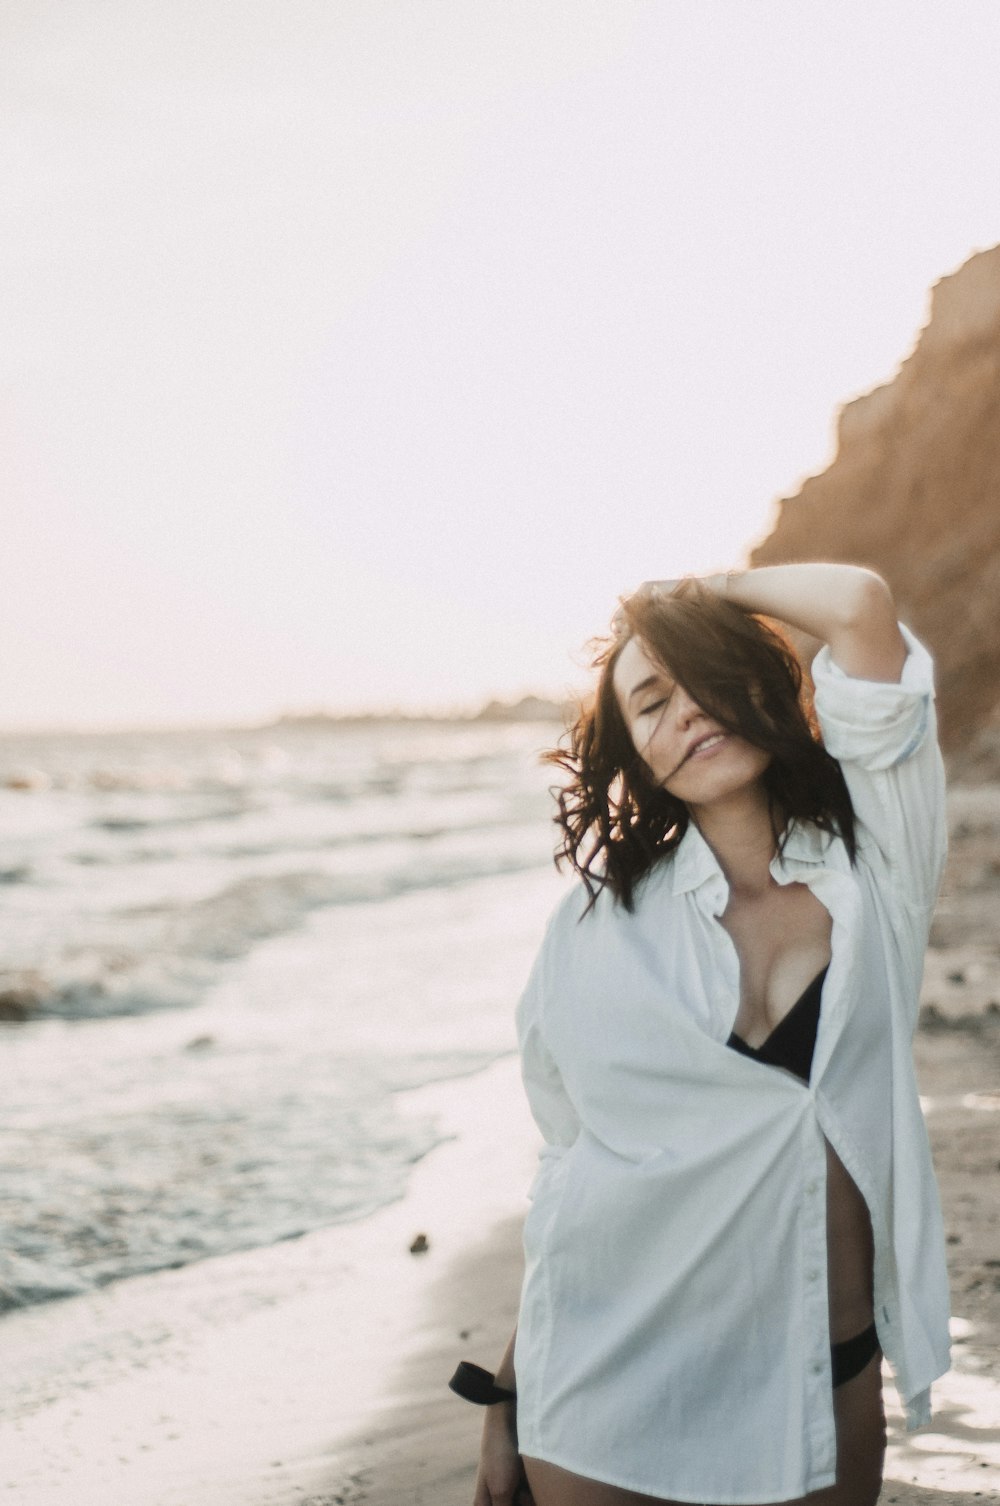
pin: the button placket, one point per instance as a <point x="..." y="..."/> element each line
<point x="815" y="1300"/>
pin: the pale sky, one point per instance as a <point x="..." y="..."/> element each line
<point x="360" y="353"/>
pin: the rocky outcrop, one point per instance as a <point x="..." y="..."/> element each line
<point x="914" y="492"/>
<point x="530" y="708"/>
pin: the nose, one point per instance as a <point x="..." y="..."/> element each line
<point x="686" y="708"/>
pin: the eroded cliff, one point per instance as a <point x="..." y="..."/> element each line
<point x="914" y="492"/>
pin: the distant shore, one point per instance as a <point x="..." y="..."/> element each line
<point x="528" y="708"/>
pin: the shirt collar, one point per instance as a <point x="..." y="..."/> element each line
<point x="694" y="862"/>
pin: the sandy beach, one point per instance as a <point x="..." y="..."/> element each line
<point x="315" y="1371"/>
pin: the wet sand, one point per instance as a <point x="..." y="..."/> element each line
<point x="315" y="1371"/>
<point x="236" y="1381"/>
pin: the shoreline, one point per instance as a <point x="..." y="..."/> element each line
<point x="232" y="1381"/>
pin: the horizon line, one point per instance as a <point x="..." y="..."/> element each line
<point x="492" y="709"/>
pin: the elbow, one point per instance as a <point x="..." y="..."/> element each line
<point x="867" y="642"/>
<point x="868" y="602"/>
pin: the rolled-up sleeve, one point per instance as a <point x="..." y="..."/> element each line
<point x="884" y="735"/>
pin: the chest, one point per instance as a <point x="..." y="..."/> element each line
<point x="645" y="990"/>
<point x="782" y="940"/>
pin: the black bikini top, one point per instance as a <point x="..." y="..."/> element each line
<point x="793" y="1040"/>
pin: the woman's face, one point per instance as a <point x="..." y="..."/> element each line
<point x="687" y="752"/>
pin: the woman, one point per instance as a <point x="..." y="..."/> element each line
<point x="734" y="1212"/>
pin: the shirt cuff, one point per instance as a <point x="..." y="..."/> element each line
<point x="871" y="722"/>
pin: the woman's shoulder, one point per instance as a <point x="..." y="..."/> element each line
<point x="596" y="910"/>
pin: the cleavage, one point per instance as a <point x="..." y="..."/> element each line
<point x="781" y="943"/>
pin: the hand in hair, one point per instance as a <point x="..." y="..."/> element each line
<point x="649" y="588"/>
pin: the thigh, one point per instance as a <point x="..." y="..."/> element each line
<point x="860" y="1420"/>
<point x="554" y="1486"/>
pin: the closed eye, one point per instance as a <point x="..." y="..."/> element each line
<point x="654" y="707"/>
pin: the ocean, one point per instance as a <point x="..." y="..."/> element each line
<point x="224" y="955"/>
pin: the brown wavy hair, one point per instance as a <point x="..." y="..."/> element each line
<point x="740" y="668"/>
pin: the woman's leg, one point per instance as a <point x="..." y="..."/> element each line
<point x="552" y="1486"/>
<point x="860" y="1420"/>
<point x="860" y="1417"/>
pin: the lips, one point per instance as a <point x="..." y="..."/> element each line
<point x="710" y="739"/>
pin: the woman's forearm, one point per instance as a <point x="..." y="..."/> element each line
<point x="846" y="606"/>
<point x="505" y="1369"/>
<point x="819" y="598"/>
<point x="502" y="1415"/>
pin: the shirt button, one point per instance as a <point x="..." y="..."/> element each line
<point x="812" y="1275"/>
<point x="812" y="1187"/>
<point x="817" y="1368"/>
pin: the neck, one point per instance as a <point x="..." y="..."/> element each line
<point x="738" y="830"/>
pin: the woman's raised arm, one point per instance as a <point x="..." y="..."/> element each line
<point x="846" y="606"/>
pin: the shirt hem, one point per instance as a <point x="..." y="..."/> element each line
<point x="918" y="1406"/>
<point x="664" y="1490"/>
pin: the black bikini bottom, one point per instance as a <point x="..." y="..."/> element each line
<point x="848" y="1359"/>
<point x="850" y="1356"/>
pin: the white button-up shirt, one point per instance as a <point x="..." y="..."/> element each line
<point x="674" y="1335"/>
